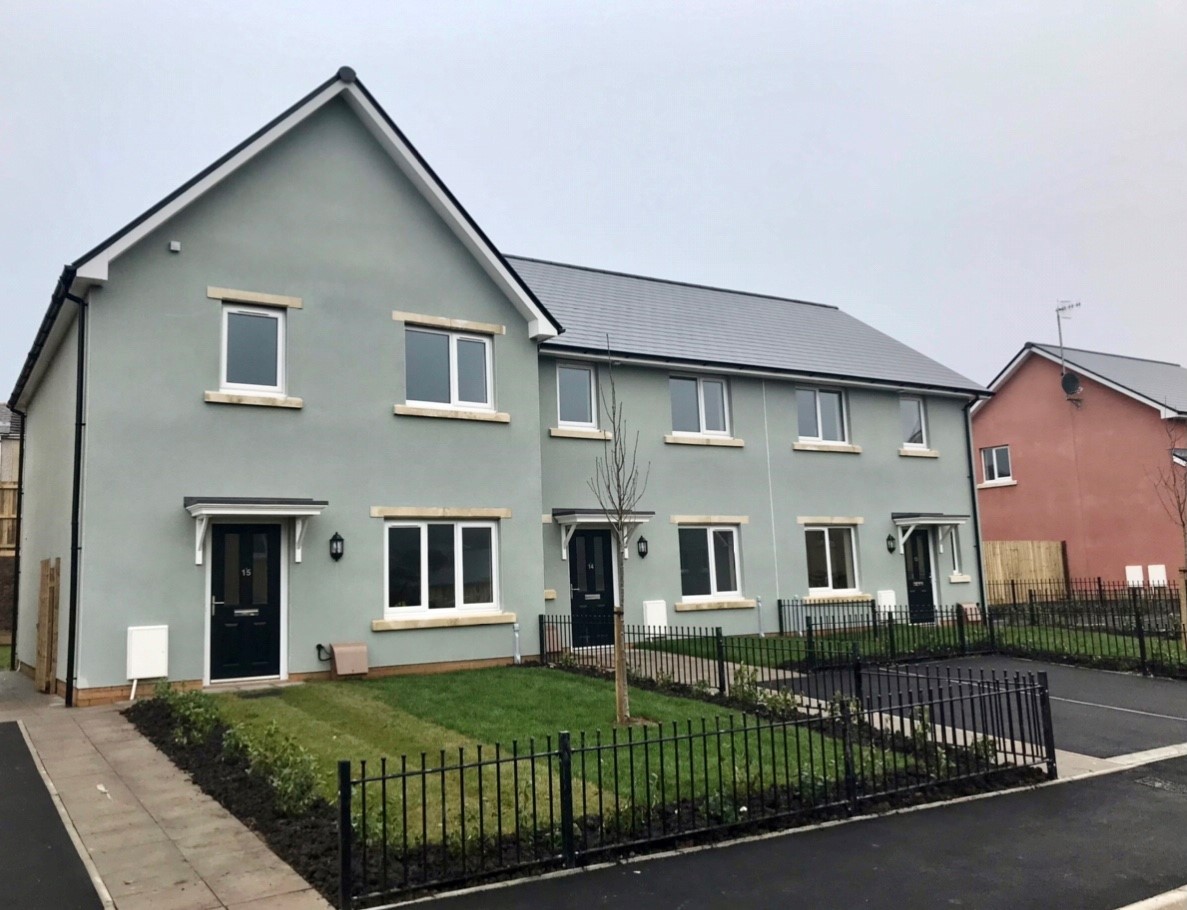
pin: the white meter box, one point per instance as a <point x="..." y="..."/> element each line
<point x="148" y="652"/>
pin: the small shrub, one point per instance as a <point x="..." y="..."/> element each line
<point x="744" y="685"/>
<point x="288" y="767"/>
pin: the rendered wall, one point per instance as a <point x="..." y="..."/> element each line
<point x="326" y="216"/>
<point x="1084" y="474"/>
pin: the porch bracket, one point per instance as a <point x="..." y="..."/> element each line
<point x="299" y="524"/>
<point x="566" y="535"/>
<point x="201" y="523"/>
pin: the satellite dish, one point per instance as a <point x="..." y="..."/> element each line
<point x="1071" y="383"/>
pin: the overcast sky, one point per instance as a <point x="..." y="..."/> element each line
<point x="943" y="171"/>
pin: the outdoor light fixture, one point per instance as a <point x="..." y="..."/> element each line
<point x="337" y="546"/>
<point x="642" y="546"/>
<point x="891" y="543"/>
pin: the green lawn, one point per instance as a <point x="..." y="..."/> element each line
<point x="436" y="720"/>
<point x="5" y="656"/>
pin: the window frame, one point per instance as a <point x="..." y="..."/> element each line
<point x="727" y="433"/>
<point x="714" y="594"/>
<point x="922" y="408"/>
<point x="997" y="478"/>
<point x="828" y="556"/>
<point x="455" y="402"/>
<point x="844" y="421"/>
<point x="591" y="371"/>
<point x="460" y="607"/>
<point x="279" y="315"/>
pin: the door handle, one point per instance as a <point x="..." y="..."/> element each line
<point x="215" y="603"/>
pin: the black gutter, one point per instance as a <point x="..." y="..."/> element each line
<point x="76" y="497"/>
<point x="16" y="578"/>
<point x="968" y="444"/>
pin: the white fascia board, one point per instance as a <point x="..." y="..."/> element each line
<point x="540" y="327"/>
<point x="95" y="269"/>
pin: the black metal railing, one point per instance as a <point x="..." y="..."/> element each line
<point x="415" y="823"/>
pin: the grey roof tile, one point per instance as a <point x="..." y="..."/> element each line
<point x="1157" y="380"/>
<point x="691" y="323"/>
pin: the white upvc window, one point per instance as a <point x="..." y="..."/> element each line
<point x="821" y="415"/>
<point x="832" y="560"/>
<point x="700" y="406"/>
<point x="995" y="462"/>
<point x="913" y="422"/>
<point x="433" y="567"/>
<point x="252" y="355"/>
<point x="576" y="396"/>
<point x="710" y="568"/>
<point x="447" y="369"/>
<point x="954" y="543"/>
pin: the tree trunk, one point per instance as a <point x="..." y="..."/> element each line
<point x="1183" y="604"/>
<point x="621" y="699"/>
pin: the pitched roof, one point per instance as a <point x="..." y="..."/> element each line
<point x="689" y="323"/>
<point x="1155" y="382"/>
<point x="92" y="267"/>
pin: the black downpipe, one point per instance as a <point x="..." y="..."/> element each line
<point x="968" y="444"/>
<point x="76" y="499"/>
<point x="20" y="509"/>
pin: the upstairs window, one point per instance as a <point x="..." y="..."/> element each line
<point x="699" y="406"/>
<point x="445" y="368"/>
<point x="576" y="401"/>
<point x="253" y="350"/>
<point x="821" y="414"/>
<point x="996" y="462"/>
<point x="911" y="421"/>
<point x="709" y="563"/>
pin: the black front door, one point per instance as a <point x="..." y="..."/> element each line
<point x="921" y="601"/>
<point x="591" y="583"/>
<point x="245" y="601"/>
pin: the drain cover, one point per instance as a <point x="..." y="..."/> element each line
<point x="1158" y="783"/>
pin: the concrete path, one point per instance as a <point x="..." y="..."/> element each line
<point x="152" y="837"/>
<point x="1092" y="844"/>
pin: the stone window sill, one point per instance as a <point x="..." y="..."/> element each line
<point x="579" y="433"/>
<point x="728" y="441"/>
<point x="957" y="579"/>
<point x="442" y="622"/>
<point x="989" y="485"/>
<point x="839" y="447"/>
<point x="265" y="401"/>
<point x="407" y="410"/>
<point x="698" y="605"/>
<point x="918" y="453"/>
<point x="836" y="598"/>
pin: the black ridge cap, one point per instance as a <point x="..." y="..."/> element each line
<point x="1165" y="363"/>
<point x="461" y="209"/>
<point x="560" y="350"/>
<point x="683" y="284"/>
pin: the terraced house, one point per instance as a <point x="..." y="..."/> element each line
<point x="304" y="400"/>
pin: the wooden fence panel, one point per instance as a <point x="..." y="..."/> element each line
<point x="7" y="518"/>
<point x="46" y="671"/>
<point x="1024" y="560"/>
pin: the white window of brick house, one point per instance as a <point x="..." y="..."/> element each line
<point x="995" y="463"/>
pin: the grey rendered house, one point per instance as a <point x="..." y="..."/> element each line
<point x="304" y="400"/>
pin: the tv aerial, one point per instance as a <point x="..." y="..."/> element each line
<point x="1068" y="380"/>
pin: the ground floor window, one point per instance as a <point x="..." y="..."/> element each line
<point x="832" y="568"/>
<point x="441" y="566"/>
<point x="709" y="562"/>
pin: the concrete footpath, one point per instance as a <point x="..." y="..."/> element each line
<point x="151" y="838"/>
<point x="1093" y="844"/>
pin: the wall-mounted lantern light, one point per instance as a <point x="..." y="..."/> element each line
<point x="642" y="547"/>
<point x="891" y="543"/>
<point x="337" y="547"/>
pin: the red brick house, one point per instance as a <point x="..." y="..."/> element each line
<point x="1077" y="458"/>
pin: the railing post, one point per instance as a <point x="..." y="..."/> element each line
<point x="858" y="686"/>
<point x="565" y="754"/>
<point x="1034" y="612"/>
<point x="782" y="622"/>
<point x="1014" y="594"/>
<point x="847" y="747"/>
<point x="809" y="642"/>
<point x="960" y="631"/>
<point x="1048" y="727"/>
<point x="1137" y="623"/>
<point x="890" y="635"/>
<point x="543" y="641"/>
<point x="345" y="860"/>
<point x="722" y="683"/>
